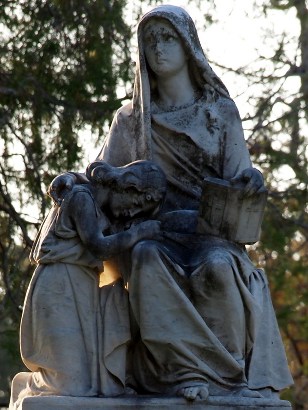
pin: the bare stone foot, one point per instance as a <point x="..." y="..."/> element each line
<point x="191" y="393"/>
<point x="245" y="392"/>
<point x="129" y="391"/>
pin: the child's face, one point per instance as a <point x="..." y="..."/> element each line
<point x="130" y="203"/>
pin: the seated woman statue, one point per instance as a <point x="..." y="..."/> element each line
<point x="201" y="310"/>
<point x="74" y="334"/>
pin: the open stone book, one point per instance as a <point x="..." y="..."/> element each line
<point x="225" y="212"/>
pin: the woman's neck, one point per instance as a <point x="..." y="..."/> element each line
<point x="176" y="90"/>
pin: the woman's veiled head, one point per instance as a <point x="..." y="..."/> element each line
<point x="164" y="41"/>
<point x="182" y="24"/>
<point x="202" y="76"/>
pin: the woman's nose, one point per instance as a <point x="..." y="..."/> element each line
<point x="158" y="46"/>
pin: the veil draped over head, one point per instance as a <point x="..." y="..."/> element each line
<point x="203" y="75"/>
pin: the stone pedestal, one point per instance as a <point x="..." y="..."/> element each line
<point x="149" y="403"/>
<point x="136" y="402"/>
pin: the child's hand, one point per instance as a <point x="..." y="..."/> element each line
<point x="60" y="186"/>
<point x="148" y="230"/>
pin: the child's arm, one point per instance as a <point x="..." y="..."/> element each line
<point x="83" y="213"/>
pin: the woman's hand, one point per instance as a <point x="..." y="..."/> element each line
<point x="252" y="179"/>
<point x="60" y="186"/>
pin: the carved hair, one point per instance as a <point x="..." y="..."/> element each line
<point x="143" y="176"/>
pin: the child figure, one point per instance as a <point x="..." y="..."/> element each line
<point x="74" y="334"/>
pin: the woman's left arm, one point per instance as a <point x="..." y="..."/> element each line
<point x="237" y="166"/>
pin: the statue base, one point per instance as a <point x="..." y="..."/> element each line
<point x="136" y="402"/>
<point x="151" y="403"/>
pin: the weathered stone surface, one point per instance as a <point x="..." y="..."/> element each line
<point x="203" y="310"/>
<point x="145" y="403"/>
<point x="198" y="310"/>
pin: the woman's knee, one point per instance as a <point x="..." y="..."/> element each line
<point x="218" y="271"/>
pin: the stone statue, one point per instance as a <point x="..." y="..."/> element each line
<point x="74" y="334"/>
<point x="207" y="324"/>
<point x="202" y="320"/>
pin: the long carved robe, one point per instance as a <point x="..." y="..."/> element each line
<point x="185" y="330"/>
<point x="73" y="333"/>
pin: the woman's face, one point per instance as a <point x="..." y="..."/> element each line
<point x="163" y="48"/>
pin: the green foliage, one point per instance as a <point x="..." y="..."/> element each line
<point x="61" y="63"/>
<point x="58" y="71"/>
<point x="279" y="146"/>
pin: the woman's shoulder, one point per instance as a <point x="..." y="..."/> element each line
<point x="222" y="107"/>
<point x="122" y="118"/>
<point x="227" y="105"/>
<point x="124" y="112"/>
<point x="211" y="97"/>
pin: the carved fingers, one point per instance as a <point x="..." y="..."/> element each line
<point x="60" y="186"/>
<point x="253" y="180"/>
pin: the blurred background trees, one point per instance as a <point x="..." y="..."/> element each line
<point x="66" y="66"/>
<point x="61" y="64"/>
<point x="276" y="125"/>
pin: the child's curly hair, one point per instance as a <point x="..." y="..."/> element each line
<point x="143" y="176"/>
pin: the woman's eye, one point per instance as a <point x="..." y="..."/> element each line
<point x="170" y="37"/>
<point x="149" y="40"/>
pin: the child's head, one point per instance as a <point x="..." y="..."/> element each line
<point x="136" y="188"/>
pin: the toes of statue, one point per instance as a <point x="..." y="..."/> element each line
<point x="193" y="392"/>
<point x="246" y="392"/>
